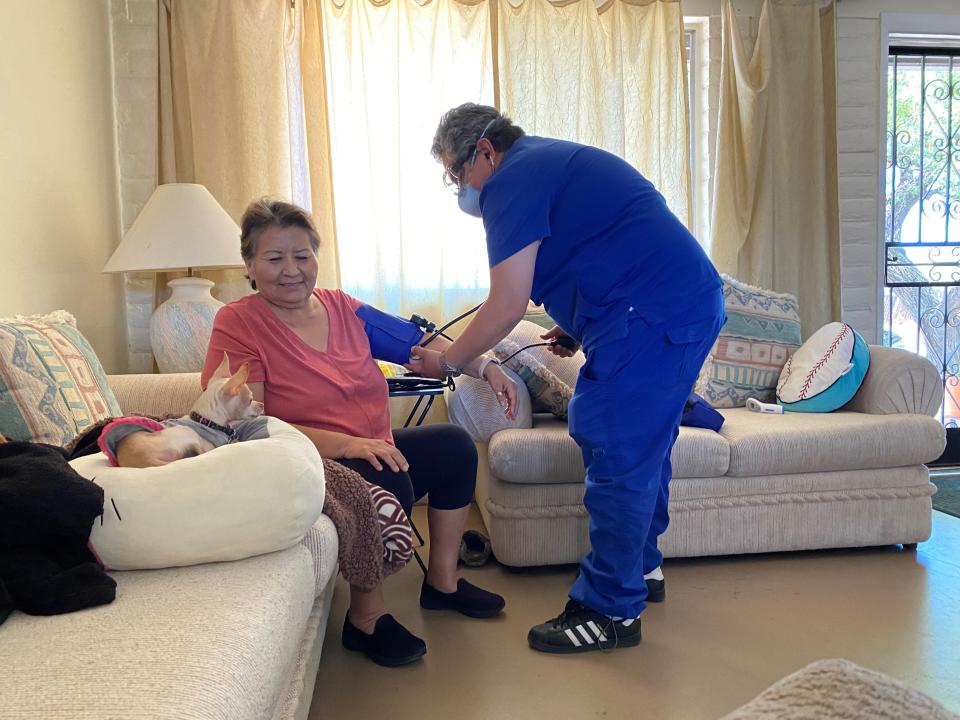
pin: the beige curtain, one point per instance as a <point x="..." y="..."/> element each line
<point x="393" y="68"/>
<point x="775" y="204"/>
<point x="232" y="111"/>
<point x="613" y="77"/>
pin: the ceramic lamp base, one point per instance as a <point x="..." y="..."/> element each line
<point x="180" y="328"/>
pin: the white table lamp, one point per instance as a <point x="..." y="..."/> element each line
<point x="182" y="227"/>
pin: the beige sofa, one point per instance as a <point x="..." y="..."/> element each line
<point x="229" y="641"/>
<point x="764" y="483"/>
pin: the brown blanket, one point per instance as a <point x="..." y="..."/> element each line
<point x="373" y="530"/>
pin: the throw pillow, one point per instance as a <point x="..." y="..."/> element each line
<point x="474" y="407"/>
<point x="537" y="315"/>
<point x="826" y="372"/>
<point x="549" y="379"/>
<point x="52" y="386"/>
<point x="762" y="331"/>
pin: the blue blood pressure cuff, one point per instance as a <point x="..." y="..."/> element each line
<point x="699" y="413"/>
<point x="391" y="337"/>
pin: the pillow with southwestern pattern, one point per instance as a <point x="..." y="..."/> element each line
<point x="52" y="386"/>
<point x="761" y="333"/>
<point x="549" y="379"/>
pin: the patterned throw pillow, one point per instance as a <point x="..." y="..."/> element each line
<point x="761" y="333"/>
<point x="52" y="386"/>
<point x="550" y="379"/>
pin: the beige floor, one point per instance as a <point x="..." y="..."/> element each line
<point x="729" y="628"/>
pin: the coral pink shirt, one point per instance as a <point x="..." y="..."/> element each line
<point x="341" y="389"/>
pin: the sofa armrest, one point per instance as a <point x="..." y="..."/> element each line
<point x="156" y="395"/>
<point x="898" y="382"/>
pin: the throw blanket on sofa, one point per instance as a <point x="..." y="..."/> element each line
<point x="46" y="512"/>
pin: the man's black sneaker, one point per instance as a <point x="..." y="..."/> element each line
<point x="390" y="645"/>
<point x="656" y="590"/>
<point x="467" y="599"/>
<point x="579" y="629"/>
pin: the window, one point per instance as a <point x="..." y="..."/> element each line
<point x="697" y="43"/>
<point x="922" y="206"/>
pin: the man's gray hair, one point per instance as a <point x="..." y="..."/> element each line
<point x="460" y="129"/>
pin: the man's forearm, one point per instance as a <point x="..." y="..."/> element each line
<point x="471" y="368"/>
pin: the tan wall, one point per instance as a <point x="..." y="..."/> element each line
<point x="58" y="177"/>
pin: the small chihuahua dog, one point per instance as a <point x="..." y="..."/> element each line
<point x="226" y="401"/>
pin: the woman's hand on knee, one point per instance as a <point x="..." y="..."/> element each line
<point x="376" y="452"/>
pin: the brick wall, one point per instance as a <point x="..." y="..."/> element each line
<point x="136" y="72"/>
<point x="859" y="146"/>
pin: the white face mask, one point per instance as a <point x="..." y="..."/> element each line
<point x="469" y="198"/>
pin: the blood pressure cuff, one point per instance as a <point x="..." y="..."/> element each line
<point x="391" y="337"/>
<point x="699" y="413"/>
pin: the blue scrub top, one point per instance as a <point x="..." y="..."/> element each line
<point x="610" y="247"/>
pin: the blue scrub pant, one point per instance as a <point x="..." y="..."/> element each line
<point x="625" y="416"/>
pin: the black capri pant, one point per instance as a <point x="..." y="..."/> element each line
<point x="443" y="464"/>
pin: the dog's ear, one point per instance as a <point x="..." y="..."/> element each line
<point x="237" y="380"/>
<point x="224" y="370"/>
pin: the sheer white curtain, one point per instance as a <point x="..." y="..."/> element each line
<point x="614" y="77"/>
<point x="392" y="70"/>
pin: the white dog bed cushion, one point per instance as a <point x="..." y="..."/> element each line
<point x="233" y="502"/>
<point x="826" y="372"/>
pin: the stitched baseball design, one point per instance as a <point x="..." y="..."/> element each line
<point x="808" y="381"/>
<point x="818" y="364"/>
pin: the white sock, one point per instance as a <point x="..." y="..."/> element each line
<point x="655" y="574"/>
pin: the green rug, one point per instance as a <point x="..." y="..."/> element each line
<point x="947" y="498"/>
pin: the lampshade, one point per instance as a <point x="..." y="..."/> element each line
<point x="181" y="226"/>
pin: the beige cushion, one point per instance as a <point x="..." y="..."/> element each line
<point x="840" y="690"/>
<point x="209" y="641"/>
<point x="823" y="442"/>
<point x="547" y="454"/>
<point x="171" y="394"/>
<point x="474" y="407"/>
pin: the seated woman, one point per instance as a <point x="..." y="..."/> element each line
<point x="311" y="365"/>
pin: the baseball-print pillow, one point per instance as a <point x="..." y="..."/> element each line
<point x="826" y="372"/>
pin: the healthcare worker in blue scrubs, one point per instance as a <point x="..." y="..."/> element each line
<point x="580" y="231"/>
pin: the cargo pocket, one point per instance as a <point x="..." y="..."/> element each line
<point x="689" y="345"/>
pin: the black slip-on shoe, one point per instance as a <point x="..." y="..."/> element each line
<point x="390" y="645"/>
<point x="468" y="599"/>
<point x="578" y="629"/>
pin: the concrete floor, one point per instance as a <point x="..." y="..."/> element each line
<point x="730" y="628"/>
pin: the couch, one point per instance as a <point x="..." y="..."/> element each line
<point x="230" y="640"/>
<point x="764" y="483"/>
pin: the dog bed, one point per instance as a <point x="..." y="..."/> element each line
<point x="236" y="501"/>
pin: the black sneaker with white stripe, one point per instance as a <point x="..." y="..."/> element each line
<point x="579" y="629"/>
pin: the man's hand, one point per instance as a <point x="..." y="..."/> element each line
<point x="504" y="387"/>
<point x="425" y="363"/>
<point x="375" y="451"/>
<point x="559" y="350"/>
